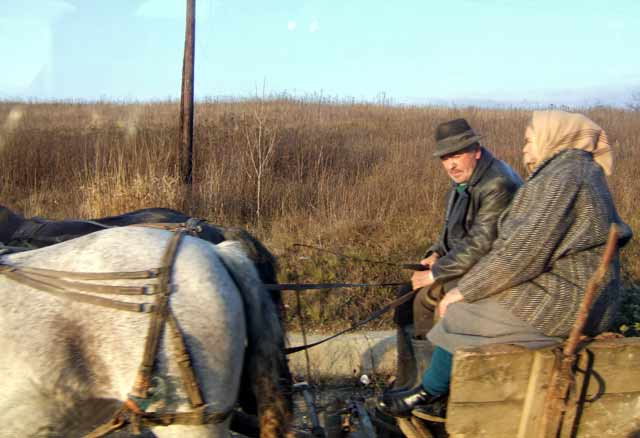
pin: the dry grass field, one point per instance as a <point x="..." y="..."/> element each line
<point x="355" y="178"/>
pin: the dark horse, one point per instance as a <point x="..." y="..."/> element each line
<point x="36" y="232"/>
<point x="32" y="233"/>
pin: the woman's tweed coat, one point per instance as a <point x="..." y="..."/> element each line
<point x="550" y="241"/>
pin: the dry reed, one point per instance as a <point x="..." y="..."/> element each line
<point x="356" y="178"/>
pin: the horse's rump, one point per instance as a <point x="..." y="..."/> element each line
<point x="60" y="355"/>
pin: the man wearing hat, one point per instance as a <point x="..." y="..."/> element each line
<point x="482" y="187"/>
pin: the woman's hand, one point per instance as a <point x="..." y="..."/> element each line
<point x="453" y="296"/>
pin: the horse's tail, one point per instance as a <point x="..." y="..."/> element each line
<point x="265" y="361"/>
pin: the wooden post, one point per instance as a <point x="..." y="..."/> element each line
<point x="186" y="97"/>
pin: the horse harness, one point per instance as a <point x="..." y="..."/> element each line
<point x="133" y="410"/>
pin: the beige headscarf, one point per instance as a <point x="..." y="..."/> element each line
<point x="555" y="131"/>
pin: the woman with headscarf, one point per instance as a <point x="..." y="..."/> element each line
<point x="528" y="288"/>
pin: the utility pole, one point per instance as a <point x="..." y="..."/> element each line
<point x="186" y="97"/>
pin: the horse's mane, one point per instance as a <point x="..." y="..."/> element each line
<point x="266" y="372"/>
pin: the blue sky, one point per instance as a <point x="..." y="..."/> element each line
<point x="412" y="51"/>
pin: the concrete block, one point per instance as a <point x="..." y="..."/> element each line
<point x="349" y="355"/>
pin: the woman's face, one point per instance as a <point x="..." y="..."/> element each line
<point x="529" y="151"/>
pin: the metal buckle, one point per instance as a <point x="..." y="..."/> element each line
<point x="147" y="307"/>
<point x="157" y="391"/>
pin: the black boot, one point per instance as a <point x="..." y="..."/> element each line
<point x="434" y="411"/>
<point x="401" y="403"/>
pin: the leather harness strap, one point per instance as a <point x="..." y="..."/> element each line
<point x="192" y="226"/>
<point x="59" y="288"/>
<point x="94" y="288"/>
<point x="130" y="412"/>
<point x="158" y="317"/>
<point x="133" y="275"/>
<point x="184" y="361"/>
<point x="197" y="416"/>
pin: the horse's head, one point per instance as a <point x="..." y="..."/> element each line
<point x="9" y="223"/>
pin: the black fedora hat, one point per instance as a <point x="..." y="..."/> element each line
<point x="454" y="136"/>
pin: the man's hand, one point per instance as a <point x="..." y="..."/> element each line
<point x="453" y="296"/>
<point x="422" y="279"/>
<point x="431" y="260"/>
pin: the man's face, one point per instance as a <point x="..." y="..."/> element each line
<point x="460" y="165"/>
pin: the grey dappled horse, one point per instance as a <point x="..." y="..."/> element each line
<point x="65" y="366"/>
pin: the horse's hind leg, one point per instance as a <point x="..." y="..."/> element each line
<point x="45" y="396"/>
<point x="35" y="411"/>
<point x="205" y="431"/>
<point x="26" y="415"/>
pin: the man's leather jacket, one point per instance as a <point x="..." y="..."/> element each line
<point x="471" y="218"/>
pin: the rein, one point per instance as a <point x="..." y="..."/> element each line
<point x="316" y="286"/>
<point x="392" y="305"/>
<point x="431" y="298"/>
<point x="409" y="266"/>
<point x="297" y="287"/>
